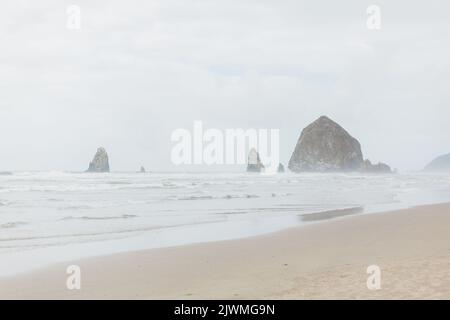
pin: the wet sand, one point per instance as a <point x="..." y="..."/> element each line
<point x="326" y="260"/>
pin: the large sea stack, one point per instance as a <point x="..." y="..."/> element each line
<point x="324" y="146"/>
<point x="440" y="164"/>
<point x="100" y="163"/>
<point x="254" y="162"/>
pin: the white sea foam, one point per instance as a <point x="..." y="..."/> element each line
<point x="52" y="216"/>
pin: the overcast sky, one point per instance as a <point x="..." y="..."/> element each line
<point x="137" y="70"/>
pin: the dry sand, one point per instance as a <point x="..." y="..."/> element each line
<point x="323" y="260"/>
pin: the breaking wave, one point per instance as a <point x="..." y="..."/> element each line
<point x="10" y="225"/>
<point x="124" y="216"/>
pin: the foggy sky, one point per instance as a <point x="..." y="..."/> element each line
<point x="137" y="70"/>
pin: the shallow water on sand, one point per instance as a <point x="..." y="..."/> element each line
<point x="47" y="217"/>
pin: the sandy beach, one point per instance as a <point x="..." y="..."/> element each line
<point x="326" y="260"/>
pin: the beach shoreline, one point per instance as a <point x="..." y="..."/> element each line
<point x="326" y="260"/>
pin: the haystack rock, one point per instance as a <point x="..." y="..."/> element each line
<point x="324" y="146"/>
<point x="100" y="163"/>
<point x="280" y="168"/>
<point x="142" y="170"/>
<point x="440" y="164"/>
<point x="254" y="162"/>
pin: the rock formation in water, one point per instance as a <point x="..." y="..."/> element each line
<point x="324" y="146"/>
<point x="280" y="168"/>
<point x="254" y="162"/>
<point x="375" y="168"/>
<point x="440" y="164"/>
<point x="100" y="163"/>
<point x="142" y="170"/>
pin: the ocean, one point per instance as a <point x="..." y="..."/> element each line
<point x="50" y="217"/>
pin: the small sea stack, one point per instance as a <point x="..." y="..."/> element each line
<point x="254" y="162"/>
<point x="100" y="163"/>
<point x="280" y="168"/>
<point x="142" y="170"/>
<point x="375" y="168"/>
